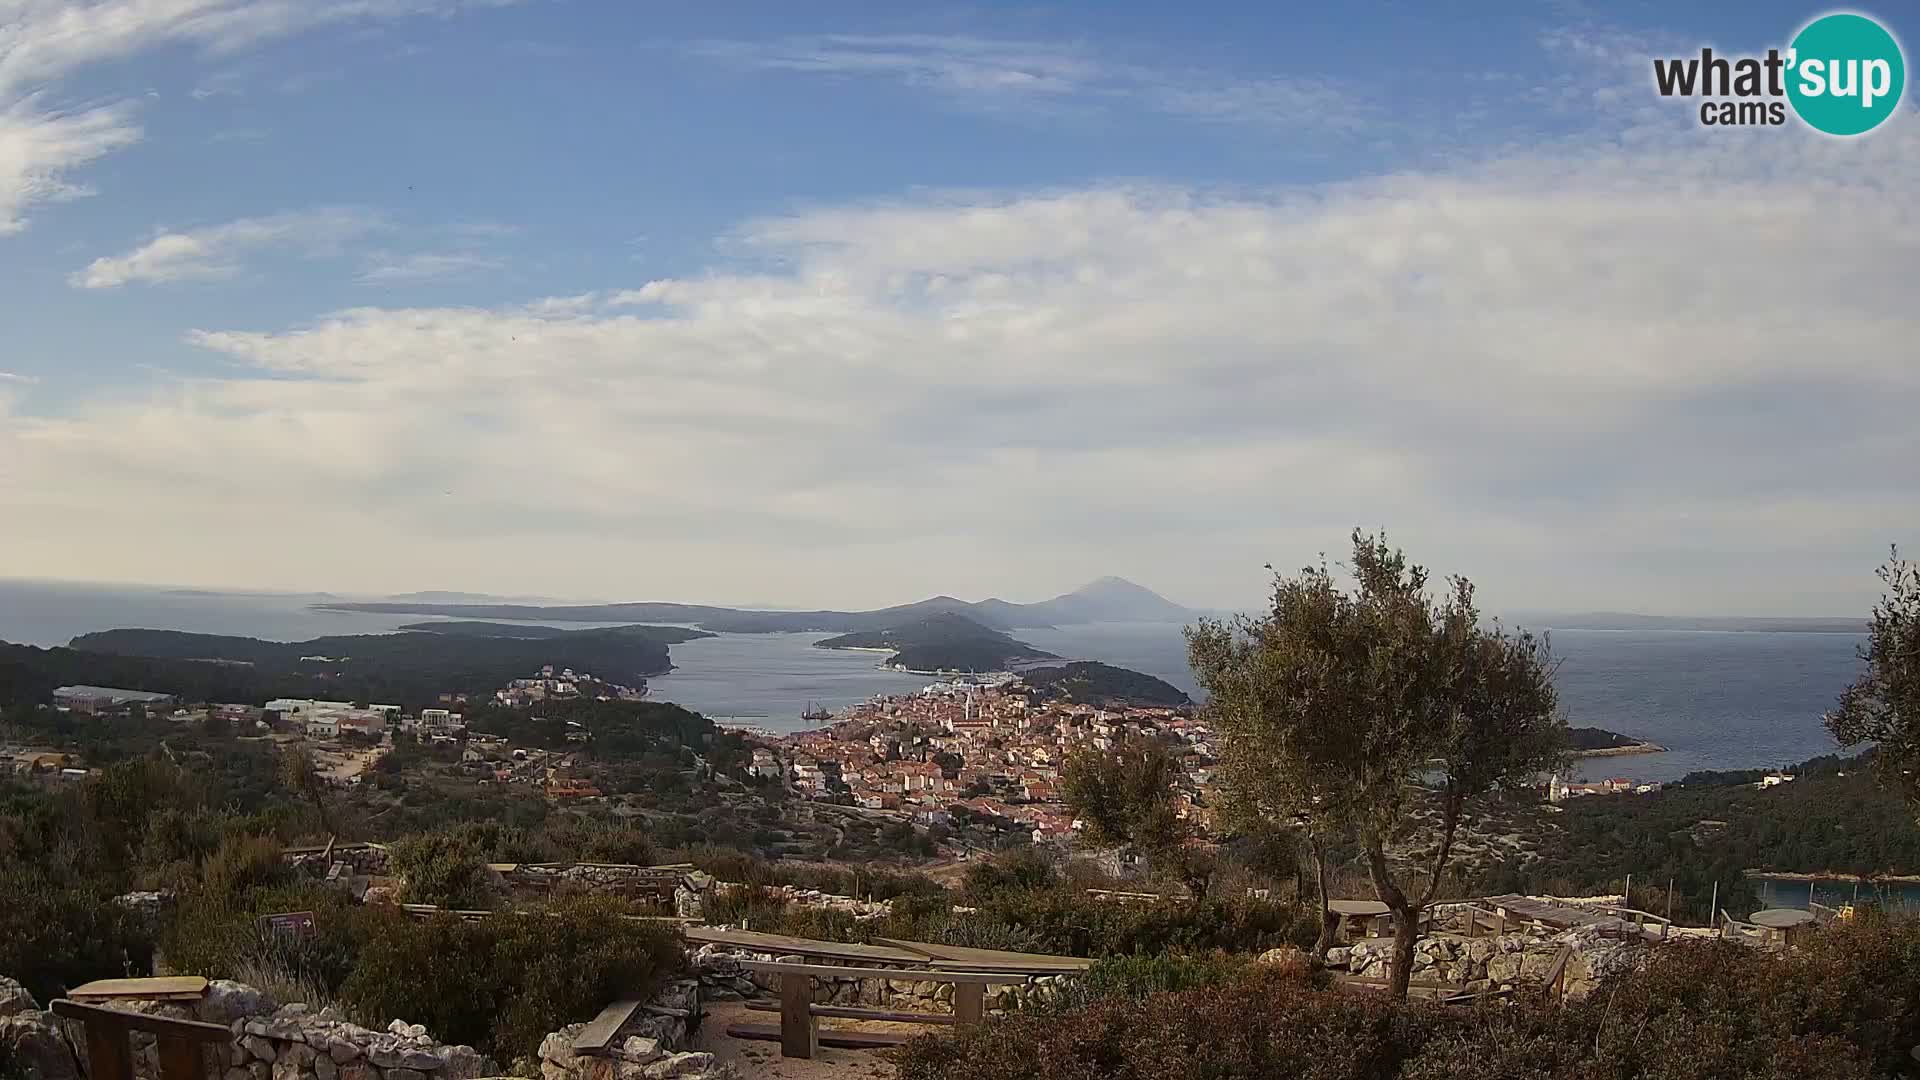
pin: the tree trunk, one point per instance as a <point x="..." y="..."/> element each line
<point x="1329" y="922"/>
<point x="1406" y="920"/>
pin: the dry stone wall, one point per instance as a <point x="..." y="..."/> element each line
<point x="1495" y="963"/>
<point x="723" y="978"/>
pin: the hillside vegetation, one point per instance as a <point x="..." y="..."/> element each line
<point x="946" y="642"/>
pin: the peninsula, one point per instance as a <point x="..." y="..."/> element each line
<point x="942" y="644"/>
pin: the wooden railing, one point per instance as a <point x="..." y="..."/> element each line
<point x="1556" y="981"/>
<point x="1639" y="918"/>
<point x="799" y="1031"/>
<point x="110" y="1055"/>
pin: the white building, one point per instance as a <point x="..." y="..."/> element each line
<point x="293" y="707"/>
<point x="323" y="725"/>
<point x="434" y="722"/>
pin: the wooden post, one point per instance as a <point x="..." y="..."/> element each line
<point x="180" y="1059"/>
<point x="1713" y="910"/>
<point x="799" y="1030"/>
<point x="969" y="1003"/>
<point x="107" y="1057"/>
<point x="1669" y="902"/>
<point x="1626" y="898"/>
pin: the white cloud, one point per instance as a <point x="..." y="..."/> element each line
<point x="1640" y="373"/>
<point x="217" y="251"/>
<point x="40" y="146"/>
<point x="1033" y="76"/>
<point x="389" y="268"/>
<point x="42" y="41"/>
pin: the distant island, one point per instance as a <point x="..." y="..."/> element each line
<point x="1599" y="742"/>
<point x="1089" y="682"/>
<point x="409" y="668"/>
<point x="666" y="635"/>
<point x="1613" y="620"/>
<point x="942" y="643"/>
<point x="1108" y="599"/>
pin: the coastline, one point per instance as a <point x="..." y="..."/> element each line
<point x="1621" y="751"/>
<point x="1788" y="875"/>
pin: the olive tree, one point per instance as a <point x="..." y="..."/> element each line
<point x="1124" y="797"/>
<point x="1346" y="709"/>
<point x="1883" y="705"/>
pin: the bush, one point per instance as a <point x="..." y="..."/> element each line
<point x="444" y="870"/>
<point x="218" y="936"/>
<point x="57" y="932"/>
<point x="1258" y="1027"/>
<point x="501" y="983"/>
<point x="1843" y="1008"/>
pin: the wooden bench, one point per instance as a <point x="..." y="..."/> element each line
<point x="799" y="1032"/>
<point x="110" y="1056"/>
<point x="599" y="1032"/>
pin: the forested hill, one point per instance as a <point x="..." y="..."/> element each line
<point x="942" y="643"/>
<point x="406" y="669"/>
<point x="1089" y="682"/>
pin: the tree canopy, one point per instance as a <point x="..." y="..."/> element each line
<point x="1337" y="705"/>
<point x="1883" y="705"/>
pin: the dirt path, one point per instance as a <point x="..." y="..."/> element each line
<point x="762" y="1060"/>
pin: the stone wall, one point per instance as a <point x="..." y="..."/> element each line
<point x="1494" y="963"/>
<point x="723" y="978"/>
<point x="294" y="1042"/>
<point x="366" y="860"/>
<point x="649" y="1046"/>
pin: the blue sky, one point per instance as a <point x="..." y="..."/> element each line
<point x="839" y="303"/>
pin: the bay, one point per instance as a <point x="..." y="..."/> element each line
<point x="1716" y="699"/>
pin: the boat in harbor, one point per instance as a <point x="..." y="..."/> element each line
<point x="816" y="712"/>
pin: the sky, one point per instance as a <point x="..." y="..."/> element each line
<point x="850" y="304"/>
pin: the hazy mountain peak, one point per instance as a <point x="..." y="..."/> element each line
<point x="1114" y="599"/>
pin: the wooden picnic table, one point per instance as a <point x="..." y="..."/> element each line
<point x="961" y="958"/>
<point x="782" y="944"/>
<point x="1360" y="918"/>
<point x="1785" y="922"/>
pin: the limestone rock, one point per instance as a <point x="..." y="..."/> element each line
<point x="679" y="1065"/>
<point x="14" y="998"/>
<point x="1286" y="958"/>
<point x="226" y="1001"/>
<point x="465" y="1063"/>
<point x="33" y="1041"/>
<point x="1504" y="968"/>
<point x="404" y="1074"/>
<point x="639" y="1050"/>
<point x="260" y="1047"/>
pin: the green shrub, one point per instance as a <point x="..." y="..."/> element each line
<point x="57" y="932"/>
<point x="444" y="870"/>
<point x="501" y="983"/>
<point x="243" y="864"/>
<point x="1842" y="1008"/>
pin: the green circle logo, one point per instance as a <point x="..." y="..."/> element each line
<point x="1845" y="74"/>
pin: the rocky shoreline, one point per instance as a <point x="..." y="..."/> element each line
<point x="1618" y="751"/>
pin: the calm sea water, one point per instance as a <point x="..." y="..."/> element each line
<point x="1834" y="893"/>
<point x="1718" y="700"/>
<point x="1715" y="699"/>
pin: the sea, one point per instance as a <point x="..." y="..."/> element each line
<point x="1714" y="699"/>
